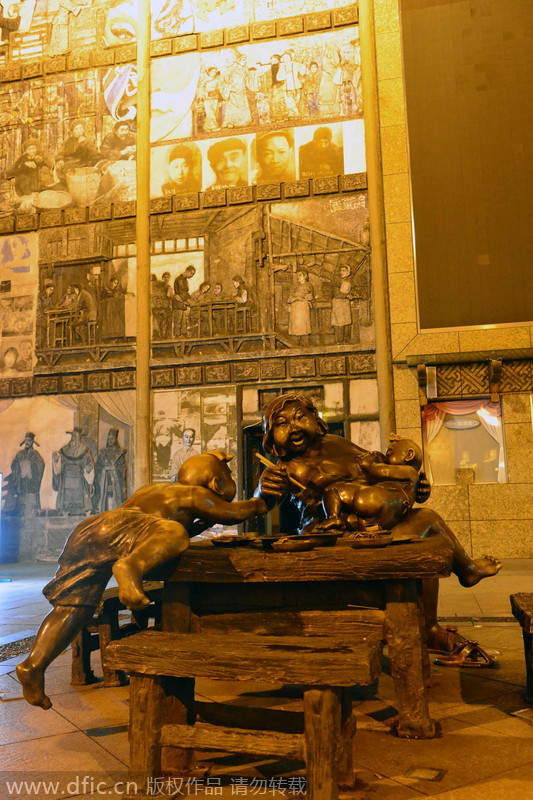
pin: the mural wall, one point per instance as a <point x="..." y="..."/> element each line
<point x="261" y="268"/>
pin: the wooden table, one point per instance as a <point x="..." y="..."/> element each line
<point x="240" y="589"/>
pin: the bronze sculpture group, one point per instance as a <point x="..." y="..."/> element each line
<point x="346" y="488"/>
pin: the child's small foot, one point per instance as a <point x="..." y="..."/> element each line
<point x="330" y="524"/>
<point x="130" y="589"/>
<point x="480" y="568"/>
<point x="32" y="682"/>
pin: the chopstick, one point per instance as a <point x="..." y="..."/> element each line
<point x="268" y="463"/>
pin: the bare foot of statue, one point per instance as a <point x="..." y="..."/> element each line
<point x="479" y="569"/>
<point x="330" y="524"/>
<point x="32" y="682"/>
<point x="130" y="590"/>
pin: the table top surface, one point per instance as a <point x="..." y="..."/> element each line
<point x="205" y="563"/>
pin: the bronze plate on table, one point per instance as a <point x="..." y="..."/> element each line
<point x="230" y="540"/>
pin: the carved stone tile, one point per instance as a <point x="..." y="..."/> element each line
<point x="325" y="185"/>
<point x="81" y="60"/>
<point x="319" y="21"/>
<point x="126" y="53"/>
<point x="288" y="27"/>
<point x="218" y="373"/>
<point x="246" y="371"/>
<point x="302" y="368"/>
<point x="124" y="208"/>
<point x="354" y="182"/>
<point x="240" y="194"/>
<point x="263" y="30"/>
<point x="332" y="365"/>
<point x="184" y="44"/>
<point x="161" y="205"/>
<point x="212" y="39"/>
<point x="124" y="379"/>
<point x="161" y="47"/>
<point x="75" y="216"/>
<point x="474" y="378"/>
<point x="273" y="369"/>
<point x="297" y="188"/>
<point x="186" y="202"/>
<point x="72" y="383"/>
<point x="104" y="58"/>
<point x="345" y="16"/>
<point x="448" y="380"/>
<point x="7" y="225"/>
<point x="268" y="191"/>
<point x="57" y="64"/>
<point x="5" y="388"/>
<point x="47" y="384"/>
<point x="162" y="377"/>
<point x="241" y="33"/>
<point x="361" y="363"/>
<point x="21" y="386"/>
<point x="517" y="376"/>
<point x="215" y="197"/>
<point x="189" y="375"/>
<point x="27" y="222"/>
<point x="50" y="219"/>
<point x="33" y="70"/>
<point x="99" y="211"/>
<point x="11" y="73"/>
<point x="99" y="381"/>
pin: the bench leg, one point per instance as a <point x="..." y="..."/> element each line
<point x="146" y="720"/>
<point x="406" y="652"/>
<point x="322" y="721"/>
<point x="82" y="647"/>
<point x="108" y="631"/>
<point x="348" y="727"/>
<point x="528" y="652"/>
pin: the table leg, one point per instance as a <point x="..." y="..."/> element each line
<point x="528" y="652"/>
<point x="348" y="727"/>
<point x="402" y="630"/>
<point x="322" y="720"/>
<point x="178" y="702"/>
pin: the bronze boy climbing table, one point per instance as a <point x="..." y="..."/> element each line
<point x="329" y="590"/>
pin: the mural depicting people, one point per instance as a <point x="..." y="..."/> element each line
<point x="272" y="86"/>
<point x="341" y="305"/>
<point x="184" y="170"/>
<point x="86" y="315"/>
<point x="228" y="161"/>
<point x="183" y="452"/>
<point x="8" y="360"/>
<point x="76" y="151"/>
<point x="211" y="97"/>
<point x="160" y="294"/>
<point x="291" y="72"/>
<point x="120" y="144"/>
<point x="24" y="363"/>
<point x="321" y="158"/>
<point x="27" y="473"/>
<point x="181" y="301"/>
<point x="275" y="157"/>
<point x="164" y="432"/>
<point x="110" y="472"/>
<point x="73" y="476"/>
<point x="234" y="85"/>
<point x="33" y="171"/>
<point x="310" y="90"/>
<point x="16" y="254"/>
<point x="44" y="304"/>
<point x="300" y="301"/>
<point x="112" y="304"/>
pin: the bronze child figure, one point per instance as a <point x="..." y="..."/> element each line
<point x="386" y="496"/>
<point x="149" y="529"/>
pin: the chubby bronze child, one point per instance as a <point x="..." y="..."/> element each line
<point x="151" y="528"/>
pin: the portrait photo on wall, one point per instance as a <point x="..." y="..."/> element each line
<point x="176" y="169"/>
<point x="187" y="422"/>
<point x="226" y="162"/>
<point x="273" y="156"/>
<point x="320" y="151"/>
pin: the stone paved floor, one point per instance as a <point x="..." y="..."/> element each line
<point x="485" y="751"/>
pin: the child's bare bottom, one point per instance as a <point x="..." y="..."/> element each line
<point x="168" y="542"/>
<point x="383" y="505"/>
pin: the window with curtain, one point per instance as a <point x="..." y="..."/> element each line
<point x="464" y="442"/>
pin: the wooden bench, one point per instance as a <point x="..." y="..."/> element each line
<point x="105" y="628"/>
<point x="327" y="668"/>
<point x="522" y="608"/>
